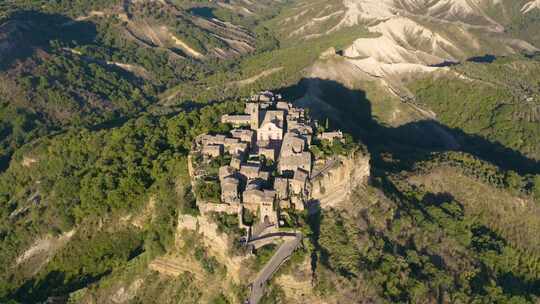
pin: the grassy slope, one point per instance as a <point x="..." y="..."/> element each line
<point x="501" y="103"/>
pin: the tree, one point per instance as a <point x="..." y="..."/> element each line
<point x="536" y="188"/>
<point x="514" y="181"/>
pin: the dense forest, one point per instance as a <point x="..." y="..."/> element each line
<point x="83" y="177"/>
<point x="100" y="102"/>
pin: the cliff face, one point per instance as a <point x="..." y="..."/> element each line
<point x="335" y="185"/>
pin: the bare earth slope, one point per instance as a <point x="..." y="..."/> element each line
<point x="412" y="36"/>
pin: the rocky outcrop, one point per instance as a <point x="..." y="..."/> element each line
<point x="336" y="184"/>
<point x="217" y="243"/>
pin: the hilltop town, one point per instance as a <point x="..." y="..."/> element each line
<point x="265" y="164"/>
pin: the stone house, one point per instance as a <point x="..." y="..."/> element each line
<point x="265" y="96"/>
<point x="236" y="161"/>
<point x="231" y="141"/>
<point x="297" y="203"/>
<point x="229" y="190"/>
<point x="252" y="109"/>
<point x="295" y="113"/>
<point x="281" y="186"/>
<point x="235" y="147"/>
<point x="246" y="136"/>
<point x="299" y="128"/>
<point x="330" y="136"/>
<point x="298" y="184"/>
<point x="268" y="152"/>
<point x="226" y="171"/>
<point x="294" y="162"/>
<point x="264" y="176"/>
<point x="212" y="150"/>
<point x="236" y="120"/>
<point x="239" y="149"/>
<point x="263" y="202"/>
<point x="254" y="197"/>
<point x="292" y="144"/>
<point x="250" y="171"/>
<point x="284" y="106"/>
<point x="212" y="139"/>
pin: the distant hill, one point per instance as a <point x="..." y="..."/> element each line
<point x="101" y="100"/>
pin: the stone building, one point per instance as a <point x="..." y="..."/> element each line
<point x="330" y="136"/>
<point x="268" y="152"/>
<point x="291" y="163"/>
<point x="278" y="131"/>
<point x="212" y="150"/>
<point x="270" y="131"/>
<point x="246" y="136"/>
<point x="250" y="171"/>
<point x="281" y="186"/>
<point x="298" y="184"/>
<point x="229" y="190"/>
<point x="283" y="105"/>
<point x="226" y="171"/>
<point x="207" y="139"/>
<point x="236" y="162"/>
<point x="235" y="147"/>
<point x="236" y="120"/>
<point x="271" y="127"/>
<point x="261" y="201"/>
<point x="292" y="144"/>
<point x="252" y="109"/>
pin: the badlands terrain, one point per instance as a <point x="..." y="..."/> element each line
<point x="101" y="101"/>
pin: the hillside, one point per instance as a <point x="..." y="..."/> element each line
<point x="498" y="101"/>
<point x="101" y="102"/>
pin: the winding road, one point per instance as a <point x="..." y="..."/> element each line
<point x="281" y="255"/>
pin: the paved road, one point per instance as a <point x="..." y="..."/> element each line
<point x="270" y="238"/>
<point x="281" y="255"/>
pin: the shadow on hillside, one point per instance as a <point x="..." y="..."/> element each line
<point x="26" y="31"/>
<point x="54" y="285"/>
<point x="350" y="110"/>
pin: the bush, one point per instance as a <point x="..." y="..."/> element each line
<point x="536" y="188"/>
<point x="209" y="191"/>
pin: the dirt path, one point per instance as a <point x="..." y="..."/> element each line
<point x="176" y="266"/>
<point x="186" y="47"/>
<point x="253" y="79"/>
<point x="86" y="17"/>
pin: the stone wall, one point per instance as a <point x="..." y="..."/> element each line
<point x="206" y="207"/>
<point x="336" y="185"/>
